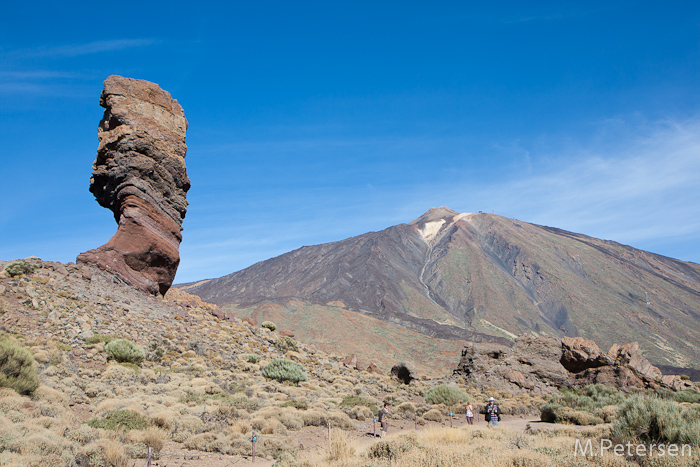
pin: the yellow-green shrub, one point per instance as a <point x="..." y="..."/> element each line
<point x="17" y="370"/>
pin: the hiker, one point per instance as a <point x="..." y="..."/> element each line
<point x="493" y="413"/>
<point x="383" y="415"/>
<point x="470" y="414"/>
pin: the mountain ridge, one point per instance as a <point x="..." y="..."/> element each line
<point x="485" y="278"/>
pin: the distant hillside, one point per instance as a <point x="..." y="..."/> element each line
<point x="476" y="277"/>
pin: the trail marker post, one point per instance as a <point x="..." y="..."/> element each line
<point x="374" y="427"/>
<point x="254" y="439"/>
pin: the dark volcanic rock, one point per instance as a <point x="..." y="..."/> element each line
<point x="139" y="174"/>
<point x="579" y="354"/>
<point x="404" y="372"/>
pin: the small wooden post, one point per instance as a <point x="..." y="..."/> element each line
<point x="329" y="437"/>
<point x="150" y="452"/>
<point x="374" y="427"/>
<point x="451" y="415"/>
<point x="254" y="439"/>
<point x="415" y="420"/>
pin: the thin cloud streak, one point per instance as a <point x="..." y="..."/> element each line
<point x="76" y="50"/>
<point x="649" y="191"/>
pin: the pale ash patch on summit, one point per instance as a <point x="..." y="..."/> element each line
<point x="429" y="230"/>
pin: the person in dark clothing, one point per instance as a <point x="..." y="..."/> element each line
<point x="383" y="415"/>
<point x="492" y="413"/>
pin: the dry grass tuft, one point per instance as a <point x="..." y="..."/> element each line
<point x="342" y="447"/>
<point x="104" y="452"/>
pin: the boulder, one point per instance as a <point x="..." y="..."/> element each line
<point x="531" y="364"/>
<point x="579" y="354"/>
<point x="350" y="361"/>
<point x="630" y="355"/>
<point x="404" y="372"/>
<point x="140" y="175"/>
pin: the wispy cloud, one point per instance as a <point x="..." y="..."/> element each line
<point x="634" y="191"/>
<point x="75" y="50"/>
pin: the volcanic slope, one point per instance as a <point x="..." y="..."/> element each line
<point x="470" y="277"/>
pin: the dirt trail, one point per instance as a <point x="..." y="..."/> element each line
<point x="315" y="440"/>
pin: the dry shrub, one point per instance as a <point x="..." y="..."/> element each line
<point x="81" y="434"/>
<point x="103" y="453"/>
<point x="361" y="413"/>
<point x="446" y="435"/>
<point x="291" y="421"/>
<point x="607" y="413"/>
<point x="434" y="415"/>
<point x="208" y="442"/>
<point x="405" y="410"/>
<point x="51" y="395"/>
<point x="8" y="432"/>
<point x="13" y="402"/>
<point x="342" y="448"/>
<point x="56" y="425"/>
<point x="241" y="426"/>
<point x="40" y="444"/>
<point x="313" y="418"/>
<point x="337" y="419"/>
<point x="268" y="426"/>
<point x="189" y="424"/>
<point x="15" y="416"/>
<point x="116" y="373"/>
<point x="165" y="419"/>
<point x="152" y="437"/>
<point x="392" y="449"/>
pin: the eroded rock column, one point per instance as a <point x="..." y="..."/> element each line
<point x="139" y="174"/>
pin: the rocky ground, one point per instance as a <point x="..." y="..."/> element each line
<point x="200" y="394"/>
<point x="199" y="384"/>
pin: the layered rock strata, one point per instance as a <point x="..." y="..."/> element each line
<point x="140" y="174"/>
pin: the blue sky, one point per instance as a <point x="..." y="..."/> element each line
<point x="311" y="122"/>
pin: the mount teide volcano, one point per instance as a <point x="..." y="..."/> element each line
<point x="417" y="291"/>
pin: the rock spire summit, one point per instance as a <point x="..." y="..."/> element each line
<point x="139" y="174"/>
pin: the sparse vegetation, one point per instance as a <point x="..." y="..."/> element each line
<point x="208" y="393"/>
<point x="17" y="370"/>
<point x="123" y="350"/>
<point x="269" y="325"/>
